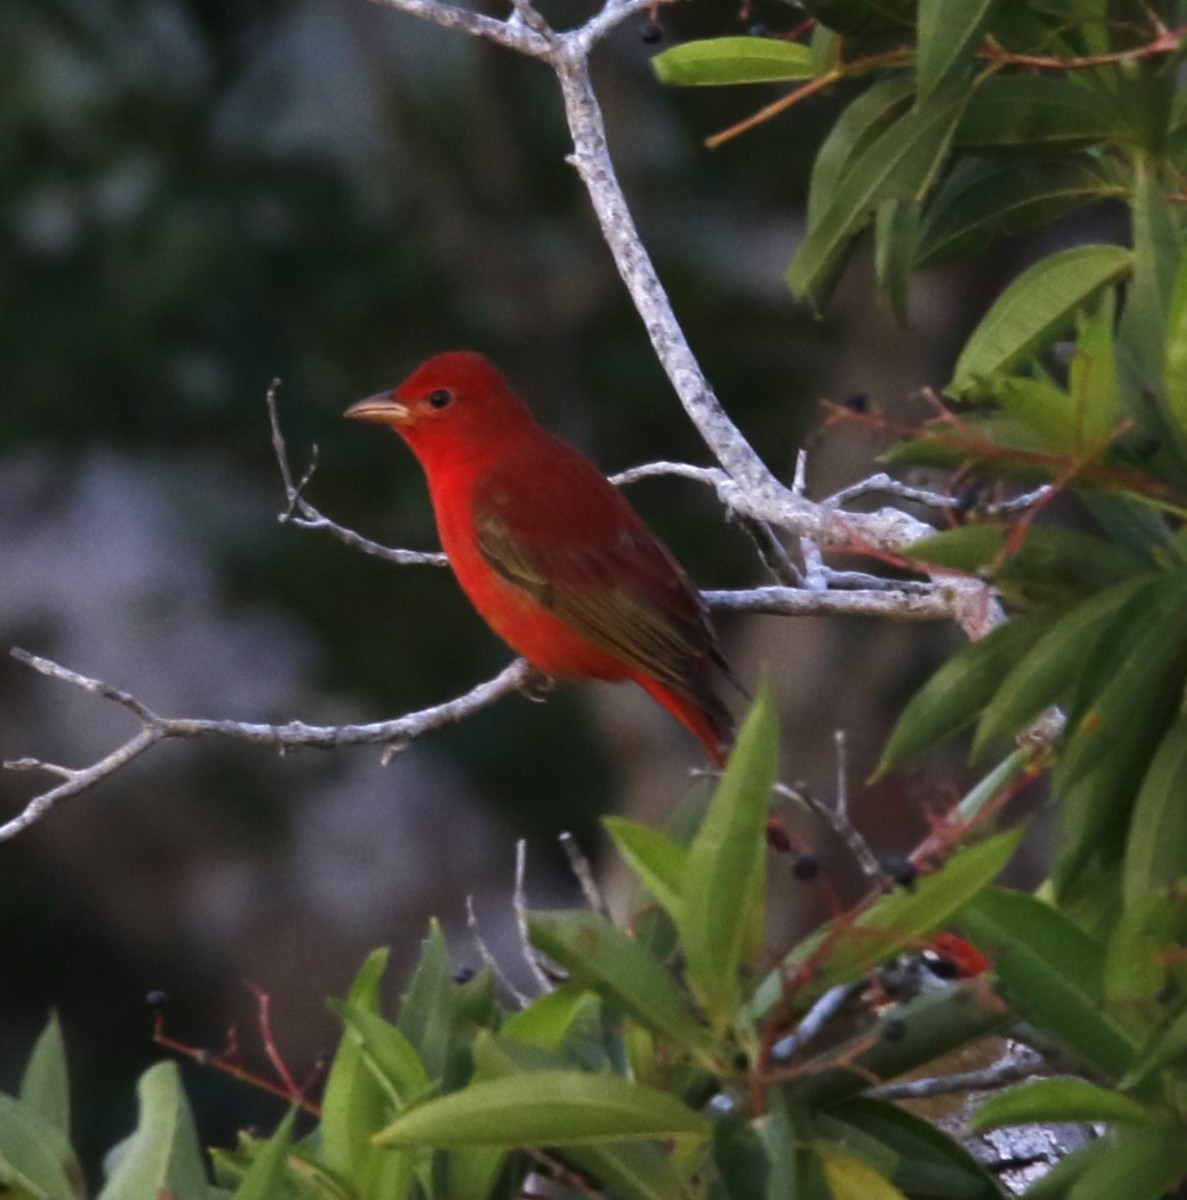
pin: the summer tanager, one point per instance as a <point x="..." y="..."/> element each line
<point x="548" y="550"/>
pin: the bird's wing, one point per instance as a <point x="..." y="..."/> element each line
<point x="566" y="537"/>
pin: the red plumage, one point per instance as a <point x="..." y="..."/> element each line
<point x="550" y="553"/>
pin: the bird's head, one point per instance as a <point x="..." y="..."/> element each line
<point x="456" y="404"/>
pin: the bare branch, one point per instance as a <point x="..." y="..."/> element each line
<point x="513" y="34"/>
<point x="394" y="733"/>
<point x="938" y="603"/>
<point x="301" y="513"/>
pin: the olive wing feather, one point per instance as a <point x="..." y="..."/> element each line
<point x="571" y="542"/>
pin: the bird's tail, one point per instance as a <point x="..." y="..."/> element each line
<point x="701" y="712"/>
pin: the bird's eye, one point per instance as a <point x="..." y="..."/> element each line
<point x="441" y="398"/>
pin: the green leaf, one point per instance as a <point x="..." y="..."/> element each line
<point x="961" y="688"/>
<point x="354" y="1105"/>
<point x="266" y="1177"/>
<point x="1092" y="380"/>
<point x="895" y="921"/>
<point x="852" y="1178"/>
<point x="1156" y="850"/>
<point x="983" y="202"/>
<point x="896" y="231"/>
<point x="162" y="1157"/>
<point x="1174" y="369"/>
<point x="898" y="165"/>
<point x="929" y="1161"/>
<point x="1158" y="246"/>
<point x="721" y="914"/>
<point x="1035" y="309"/>
<point x="907" y="1037"/>
<point x="1051" y="971"/>
<point x="546" y="1108"/>
<point x="426" y="1014"/>
<point x="1052" y="665"/>
<point x="967" y="548"/>
<point x="1129" y="689"/>
<point x="45" y="1086"/>
<point x="1167" y="1046"/>
<point x="1050" y="1100"/>
<point x="472" y="1171"/>
<point x="599" y="955"/>
<point x="854" y="131"/>
<point x="1134" y="1162"/>
<point x="654" y="857"/>
<point x="946" y="41"/>
<point x="387" y="1052"/>
<point x="630" y="1170"/>
<point x="550" y="1017"/>
<point x="1142" y="951"/>
<point x="1037" y="113"/>
<point x="36" y="1160"/>
<point x="730" y="60"/>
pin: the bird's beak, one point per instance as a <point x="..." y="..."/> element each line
<point x="384" y="408"/>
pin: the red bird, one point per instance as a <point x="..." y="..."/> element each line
<point x="550" y="553"/>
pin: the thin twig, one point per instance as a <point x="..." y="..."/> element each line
<point x="583" y="873"/>
<point x="488" y="958"/>
<point x="520" y="904"/>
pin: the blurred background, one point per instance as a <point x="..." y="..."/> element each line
<point x="201" y="195"/>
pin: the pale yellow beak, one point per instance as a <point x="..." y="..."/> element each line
<point x="384" y="408"/>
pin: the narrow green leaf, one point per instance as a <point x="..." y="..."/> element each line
<point x="961" y="688"/>
<point x="930" y="1162"/>
<point x="967" y="548"/>
<point x="946" y="39"/>
<point x="896" y="232"/>
<point x="906" y="1038"/>
<point x="599" y="955"/>
<point x="426" y="1013"/>
<point x="1142" y="951"/>
<point x="1035" y="309"/>
<point x="1156" y="851"/>
<point x="983" y="202"/>
<point x="354" y="1104"/>
<point x="546" y="1108"/>
<point x="895" y="921"/>
<point x="472" y="1171"/>
<point x="1092" y="378"/>
<point x="1050" y="1100"/>
<point x="1134" y="1162"/>
<point x="852" y="1178"/>
<point x="550" y="1017"/>
<point x="1166" y="1047"/>
<point x="162" y="1157"/>
<point x="265" y="1178"/>
<point x="1126" y="693"/>
<point x="1037" y="113"/>
<point x="630" y="1170"/>
<point x="1051" y="971"/>
<point x="1174" y="370"/>
<point x="654" y="857"/>
<point x="387" y="1053"/>
<point x="730" y="60"/>
<point x="1157" y="248"/>
<point x="36" y="1160"/>
<point x="897" y="165"/>
<point x="1051" y="666"/>
<point x="45" y="1086"/>
<point x="854" y="131"/>
<point x="784" y="1141"/>
<point x="727" y="859"/>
